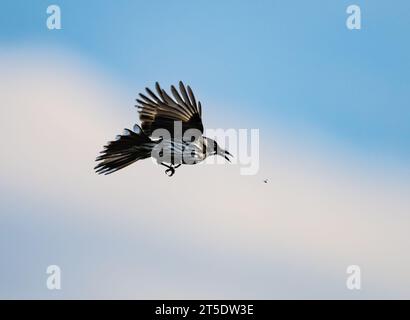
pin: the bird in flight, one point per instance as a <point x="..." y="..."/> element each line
<point x="171" y="132"/>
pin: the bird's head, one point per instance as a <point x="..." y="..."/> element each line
<point x="212" y="148"/>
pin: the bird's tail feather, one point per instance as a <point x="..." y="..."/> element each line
<point x="126" y="149"/>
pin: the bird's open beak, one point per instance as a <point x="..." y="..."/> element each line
<point x="227" y="154"/>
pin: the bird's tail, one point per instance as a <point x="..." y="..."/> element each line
<point x="126" y="149"/>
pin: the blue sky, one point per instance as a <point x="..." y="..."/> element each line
<point x="292" y="64"/>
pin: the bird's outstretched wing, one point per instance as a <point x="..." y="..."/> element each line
<point x="160" y="111"/>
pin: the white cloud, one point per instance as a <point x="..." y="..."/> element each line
<point x="145" y="234"/>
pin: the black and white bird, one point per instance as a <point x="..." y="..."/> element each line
<point x="171" y="132"/>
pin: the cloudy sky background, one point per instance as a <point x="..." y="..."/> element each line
<point x="332" y="109"/>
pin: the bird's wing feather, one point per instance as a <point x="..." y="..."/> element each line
<point x="160" y="111"/>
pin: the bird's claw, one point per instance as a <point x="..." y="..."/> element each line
<point x="170" y="172"/>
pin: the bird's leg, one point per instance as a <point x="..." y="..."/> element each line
<point x="170" y="171"/>
<point x="165" y="165"/>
